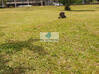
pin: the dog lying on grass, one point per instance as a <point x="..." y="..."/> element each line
<point x="62" y="15"/>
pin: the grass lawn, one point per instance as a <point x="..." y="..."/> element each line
<point x="21" y="52"/>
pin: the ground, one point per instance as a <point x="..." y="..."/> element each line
<point x="21" y="52"/>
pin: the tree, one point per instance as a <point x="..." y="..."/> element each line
<point x="67" y="4"/>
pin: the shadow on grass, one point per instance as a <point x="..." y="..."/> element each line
<point x="1" y="33"/>
<point x="18" y="45"/>
<point x="82" y="10"/>
<point x="4" y="69"/>
<point x="2" y="27"/>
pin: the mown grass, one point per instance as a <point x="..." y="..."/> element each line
<point x="75" y="53"/>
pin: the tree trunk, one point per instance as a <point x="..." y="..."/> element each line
<point x="3" y="5"/>
<point x="28" y="2"/>
<point x="15" y="3"/>
<point x="83" y="1"/>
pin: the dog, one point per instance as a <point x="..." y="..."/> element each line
<point x="62" y="15"/>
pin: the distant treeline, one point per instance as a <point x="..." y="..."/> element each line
<point x="79" y="1"/>
<point x="3" y="2"/>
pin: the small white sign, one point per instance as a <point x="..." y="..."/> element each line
<point x="49" y="36"/>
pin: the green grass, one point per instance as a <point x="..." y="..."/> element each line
<point x="75" y="53"/>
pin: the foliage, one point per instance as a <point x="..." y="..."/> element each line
<point x="76" y="1"/>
